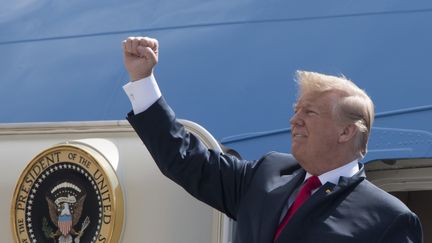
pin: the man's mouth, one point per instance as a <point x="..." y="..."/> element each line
<point x="299" y="135"/>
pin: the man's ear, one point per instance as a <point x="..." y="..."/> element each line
<point x="347" y="133"/>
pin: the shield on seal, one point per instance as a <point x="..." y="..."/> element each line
<point x="65" y="224"/>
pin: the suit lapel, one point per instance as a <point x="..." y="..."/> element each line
<point x="319" y="206"/>
<point x="275" y="202"/>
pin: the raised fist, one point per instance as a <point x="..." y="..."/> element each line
<point x="140" y="56"/>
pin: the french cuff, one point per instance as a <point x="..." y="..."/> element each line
<point x="142" y="93"/>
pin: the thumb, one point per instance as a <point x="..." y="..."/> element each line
<point x="147" y="53"/>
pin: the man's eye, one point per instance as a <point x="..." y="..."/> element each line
<point x="310" y="112"/>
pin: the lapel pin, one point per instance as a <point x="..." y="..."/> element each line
<point x="328" y="190"/>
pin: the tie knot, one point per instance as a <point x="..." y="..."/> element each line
<point x="312" y="183"/>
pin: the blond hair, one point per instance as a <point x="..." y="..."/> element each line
<point x="353" y="106"/>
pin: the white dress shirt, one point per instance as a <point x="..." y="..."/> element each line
<point x="332" y="176"/>
<point x="142" y="93"/>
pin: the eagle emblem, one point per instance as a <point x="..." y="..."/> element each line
<point x="68" y="193"/>
<point x="65" y="213"/>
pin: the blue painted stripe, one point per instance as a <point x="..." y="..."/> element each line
<point x="253" y="135"/>
<point x="413" y="11"/>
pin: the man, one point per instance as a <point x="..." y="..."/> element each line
<point x="317" y="194"/>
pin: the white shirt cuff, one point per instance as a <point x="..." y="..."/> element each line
<point x="142" y="93"/>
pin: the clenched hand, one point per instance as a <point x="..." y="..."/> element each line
<point x="140" y="56"/>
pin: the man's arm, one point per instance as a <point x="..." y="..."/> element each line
<point x="214" y="178"/>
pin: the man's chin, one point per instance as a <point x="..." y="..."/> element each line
<point x="296" y="148"/>
<point x="296" y="154"/>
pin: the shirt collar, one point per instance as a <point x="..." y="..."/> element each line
<point x="347" y="170"/>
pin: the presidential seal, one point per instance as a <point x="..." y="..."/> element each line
<point x="68" y="193"/>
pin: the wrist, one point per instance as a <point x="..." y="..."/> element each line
<point x="139" y="76"/>
<point x="146" y="79"/>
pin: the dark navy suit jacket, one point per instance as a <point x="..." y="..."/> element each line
<point x="255" y="192"/>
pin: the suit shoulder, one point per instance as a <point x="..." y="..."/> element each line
<point x="377" y="197"/>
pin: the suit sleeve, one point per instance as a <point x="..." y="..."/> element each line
<point x="406" y="228"/>
<point x="216" y="179"/>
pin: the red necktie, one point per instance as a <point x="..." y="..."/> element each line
<point x="305" y="192"/>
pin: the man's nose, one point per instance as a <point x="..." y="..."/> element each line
<point x="296" y="120"/>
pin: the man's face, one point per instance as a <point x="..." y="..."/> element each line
<point x="314" y="129"/>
